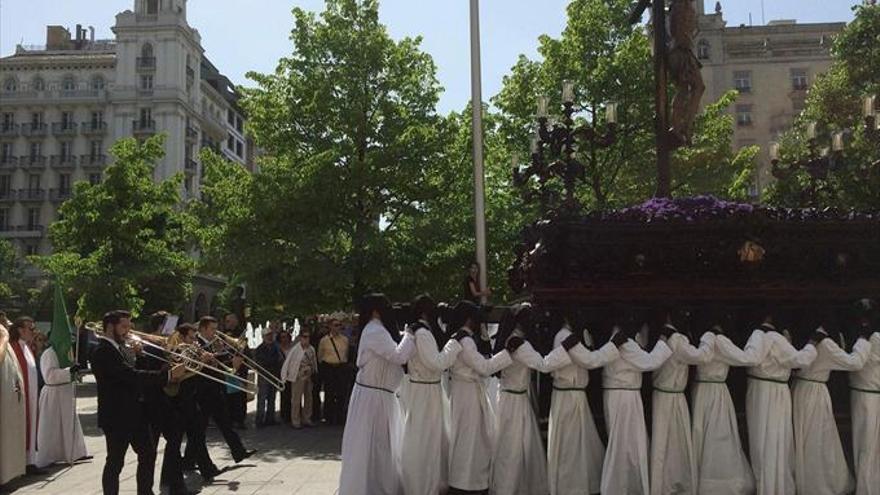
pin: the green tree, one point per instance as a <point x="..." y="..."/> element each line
<point x="351" y="137"/>
<point x="123" y="243"/>
<point x="10" y="272"/>
<point x="610" y="60"/>
<point x="834" y="104"/>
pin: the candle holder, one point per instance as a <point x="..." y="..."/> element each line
<point x="553" y="153"/>
<point x="819" y="164"/>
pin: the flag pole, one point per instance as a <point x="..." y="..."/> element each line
<point x="477" y="124"/>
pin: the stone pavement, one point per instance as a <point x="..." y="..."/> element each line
<point x="289" y="462"/>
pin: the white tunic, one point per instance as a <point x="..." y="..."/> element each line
<point x="60" y="435"/>
<point x="722" y="466"/>
<point x="820" y="464"/>
<point x="768" y="409"/>
<point x="370" y="442"/>
<point x="32" y="397"/>
<point x="673" y="466"/>
<point x="625" y="469"/>
<point x="865" y="400"/>
<point x="471" y="417"/>
<point x="574" y="448"/>
<point x="12" y="418"/>
<point x="519" y="466"/>
<point x="424" y="453"/>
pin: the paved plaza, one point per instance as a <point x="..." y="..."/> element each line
<point x="300" y="462"/>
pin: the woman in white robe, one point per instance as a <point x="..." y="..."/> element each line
<point x="371" y="440"/>
<point x="865" y="400"/>
<point x="13" y="439"/>
<point x="424" y="453"/>
<point x="820" y="464"/>
<point x="673" y="465"/>
<point x="574" y="448"/>
<point x="625" y="469"/>
<point x="722" y="465"/>
<point x="771" y="358"/>
<point x="60" y="434"/>
<point x="472" y="419"/>
<point x="519" y="466"/>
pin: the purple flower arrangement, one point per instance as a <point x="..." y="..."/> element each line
<point x="690" y="209"/>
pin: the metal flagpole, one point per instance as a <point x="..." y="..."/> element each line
<point x="477" y="123"/>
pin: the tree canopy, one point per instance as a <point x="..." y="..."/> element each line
<point x="123" y="242"/>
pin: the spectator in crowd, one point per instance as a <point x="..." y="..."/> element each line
<point x="236" y="400"/>
<point x="299" y="367"/>
<point x="269" y="356"/>
<point x="333" y="359"/>
<point x="285" y="344"/>
<point x="318" y="331"/>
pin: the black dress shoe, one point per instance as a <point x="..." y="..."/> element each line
<point x="32" y="470"/>
<point x="243" y="455"/>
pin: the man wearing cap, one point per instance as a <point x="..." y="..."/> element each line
<point x="333" y="360"/>
<point x="370" y="442"/>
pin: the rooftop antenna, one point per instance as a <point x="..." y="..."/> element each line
<point x="763" y="21"/>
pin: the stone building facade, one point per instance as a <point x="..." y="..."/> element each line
<point x="772" y="67"/>
<point x="63" y="104"/>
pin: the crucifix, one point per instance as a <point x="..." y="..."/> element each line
<point x="674" y="60"/>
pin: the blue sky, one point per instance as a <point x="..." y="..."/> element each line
<point x="243" y="35"/>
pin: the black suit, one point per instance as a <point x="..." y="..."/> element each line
<point x="121" y="415"/>
<point x="165" y="421"/>
<point x="211" y="399"/>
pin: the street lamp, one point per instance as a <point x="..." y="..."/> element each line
<point x="553" y="147"/>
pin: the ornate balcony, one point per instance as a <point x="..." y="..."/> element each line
<point x="8" y="161"/>
<point x="25" y="195"/>
<point x="34" y="129"/>
<point x="60" y="195"/>
<point x="9" y="130"/>
<point x="93" y="128"/>
<point x="7" y="195"/>
<point x="143" y="126"/>
<point x="190" y="166"/>
<point x="62" y="161"/>
<point x="92" y="161"/>
<point x="32" y="161"/>
<point x="64" y="129"/>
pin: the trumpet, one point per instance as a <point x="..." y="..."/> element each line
<point x="183" y="354"/>
<point x="236" y="349"/>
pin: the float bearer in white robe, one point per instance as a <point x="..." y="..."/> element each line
<point x="673" y="465"/>
<point x="424" y="454"/>
<point x="625" y="469"/>
<point x="574" y="448"/>
<point x="370" y="442"/>
<point x="471" y="416"/>
<point x="519" y="465"/>
<point x="13" y="437"/>
<point x="865" y="401"/>
<point x="820" y="465"/>
<point x="60" y="434"/>
<point x="771" y="358"/>
<point x="722" y="466"/>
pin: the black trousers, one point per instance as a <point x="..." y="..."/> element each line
<point x="212" y="404"/>
<point x="286" y="397"/>
<point x="237" y="405"/>
<point x="118" y="440"/>
<point x="317" y="383"/>
<point x="170" y="426"/>
<point x="335" y="393"/>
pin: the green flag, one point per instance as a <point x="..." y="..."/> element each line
<point x="61" y="333"/>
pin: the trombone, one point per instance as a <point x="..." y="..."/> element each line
<point x="189" y="356"/>
<point x="235" y="347"/>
